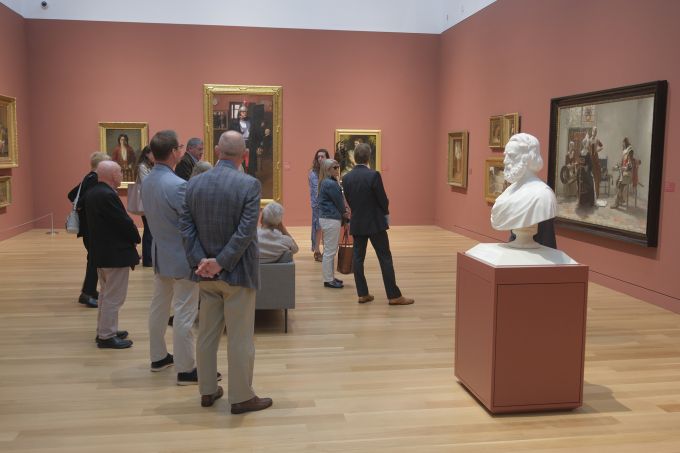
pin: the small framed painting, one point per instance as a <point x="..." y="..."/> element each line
<point x="458" y="159"/>
<point x="494" y="180"/>
<point x="496" y="131"/>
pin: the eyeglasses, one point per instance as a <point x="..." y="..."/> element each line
<point x="336" y="167"/>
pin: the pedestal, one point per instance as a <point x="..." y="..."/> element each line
<point x="520" y="334"/>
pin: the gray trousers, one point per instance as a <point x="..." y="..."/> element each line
<point x="235" y="306"/>
<point x="113" y="286"/>
<point x="183" y="296"/>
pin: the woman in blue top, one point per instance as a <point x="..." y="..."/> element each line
<point x="313" y="179"/>
<point x="331" y="212"/>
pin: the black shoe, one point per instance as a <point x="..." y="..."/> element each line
<point x="114" y="343"/>
<point x="337" y="280"/>
<point x="332" y="284"/>
<point x="191" y="377"/>
<point x="88" y="301"/>
<point x="170" y="320"/>
<point x="162" y="364"/>
<point x="122" y="334"/>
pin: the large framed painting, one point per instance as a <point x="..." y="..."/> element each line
<point x="494" y="179"/>
<point x="605" y="161"/>
<point x="9" y="148"/>
<point x="256" y="112"/>
<point x="5" y="191"/>
<point x="124" y="142"/>
<point x="348" y="139"/>
<point x="458" y="159"/>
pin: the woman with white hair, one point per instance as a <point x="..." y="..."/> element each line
<point x="273" y="238"/>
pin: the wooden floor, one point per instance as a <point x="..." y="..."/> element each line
<point x="347" y="377"/>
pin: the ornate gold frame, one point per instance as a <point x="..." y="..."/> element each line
<point x="142" y="128"/>
<point x="510" y="119"/>
<point x="460" y="181"/>
<point x="375" y="133"/>
<point x="496" y="125"/>
<point x="6" y="185"/>
<point x="211" y="98"/>
<point x="10" y="106"/>
<point x="497" y="163"/>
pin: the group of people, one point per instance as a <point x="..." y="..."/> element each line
<point x="359" y="199"/>
<point x="204" y="248"/>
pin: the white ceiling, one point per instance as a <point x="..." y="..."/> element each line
<point x="404" y="16"/>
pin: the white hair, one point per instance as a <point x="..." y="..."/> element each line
<point x="272" y="214"/>
<point x="530" y="148"/>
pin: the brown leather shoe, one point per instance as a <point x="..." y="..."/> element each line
<point x="401" y="300"/>
<point x="253" y="404"/>
<point x="366" y="298"/>
<point x="209" y="400"/>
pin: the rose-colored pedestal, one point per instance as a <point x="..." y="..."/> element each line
<point x="520" y="334"/>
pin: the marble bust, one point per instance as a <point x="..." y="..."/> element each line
<point x="528" y="200"/>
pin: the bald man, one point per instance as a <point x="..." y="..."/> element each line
<point x="219" y="228"/>
<point x="113" y="239"/>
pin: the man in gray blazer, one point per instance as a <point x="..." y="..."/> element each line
<point x="163" y="199"/>
<point x="219" y="227"/>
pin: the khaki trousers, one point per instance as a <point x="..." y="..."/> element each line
<point x="183" y="295"/>
<point x="113" y="286"/>
<point x="235" y="306"/>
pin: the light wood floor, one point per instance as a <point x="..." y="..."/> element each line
<point x="347" y="377"/>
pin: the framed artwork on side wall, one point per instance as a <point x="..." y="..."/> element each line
<point x="9" y="148"/>
<point x="124" y="142"/>
<point x="458" y="159"/>
<point x="605" y="161"/>
<point x="256" y="112"/>
<point x="496" y="131"/>
<point x="346" y="140"/>
<point x="494" y="180"/>
<point x="510" y="127"/>
<point x="5" y="191"/>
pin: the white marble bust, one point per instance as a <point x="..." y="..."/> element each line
<point x="528" y="200"/>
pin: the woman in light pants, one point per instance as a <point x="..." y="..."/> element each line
<point x="331" y="211"/>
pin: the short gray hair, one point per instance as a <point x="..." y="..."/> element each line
<point x="272" y="214"/>
<point x="231" y="145"/>
<point x="194" y="142"/>
<point x="201" y="167"/>
<point x="97" y="157"/>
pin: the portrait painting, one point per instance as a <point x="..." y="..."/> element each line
<point x="254" y="111"/>
<point x="9" y="151"/>
<point x="458" y="159"/>
<point x="605" y="161"/>
<point x="494" y="179"/>
<point x="346" y="140"/>
<point x="496" y="131"/>
<point x="510" y="127"/>
<point x="124" y="142"/>
<point x="5" y="191"/>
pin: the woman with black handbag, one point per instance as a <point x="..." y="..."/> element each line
<point x="88" y="294"/>
<point x="331" y="213"/>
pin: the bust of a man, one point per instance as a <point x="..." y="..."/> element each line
<point x="528" y="200"/>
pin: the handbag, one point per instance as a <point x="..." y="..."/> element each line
<point x="345" y="252"/>
<point x="72" y="219"/>
<point x="134" y="200"/>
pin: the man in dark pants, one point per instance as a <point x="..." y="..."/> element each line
<point x="368" y="202"/>
<point x="89" y="294"/>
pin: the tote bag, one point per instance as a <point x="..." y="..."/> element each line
<point x="134" y="201"/>
<point x="345" y="251"/>
<point x="72" y="219"/>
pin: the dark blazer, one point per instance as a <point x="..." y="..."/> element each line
<point x="219" y="220"/>
<point x="113" y="234"/>
<point x="367" y="199"/>
<point x="88" y="182"/>
<point x="185" y="167"/>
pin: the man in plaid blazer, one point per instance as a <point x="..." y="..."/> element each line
<point x="219" y="230"/>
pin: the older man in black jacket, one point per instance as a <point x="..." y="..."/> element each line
<point x="368" y="202"/>
<point x="113" y="236"/>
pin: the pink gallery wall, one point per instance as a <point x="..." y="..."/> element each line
<point x="16" y="217"/>
<point x="514" y="56"/>
<point x="82" y="73"/>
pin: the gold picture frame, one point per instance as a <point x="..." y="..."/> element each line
<point x="5" y="191"/>
<point x="348" y="139"/>
<point x="9" y="147"/>
<point x="458" y="159"/>
<point x="496" y="131"/>
<point x="263" y="107"/>
<point x="135" y="137"/>
<point x="511" y="127"/>
<point x="494" y="180"/>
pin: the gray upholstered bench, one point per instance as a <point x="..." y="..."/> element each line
<point x="277" y="288"/>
